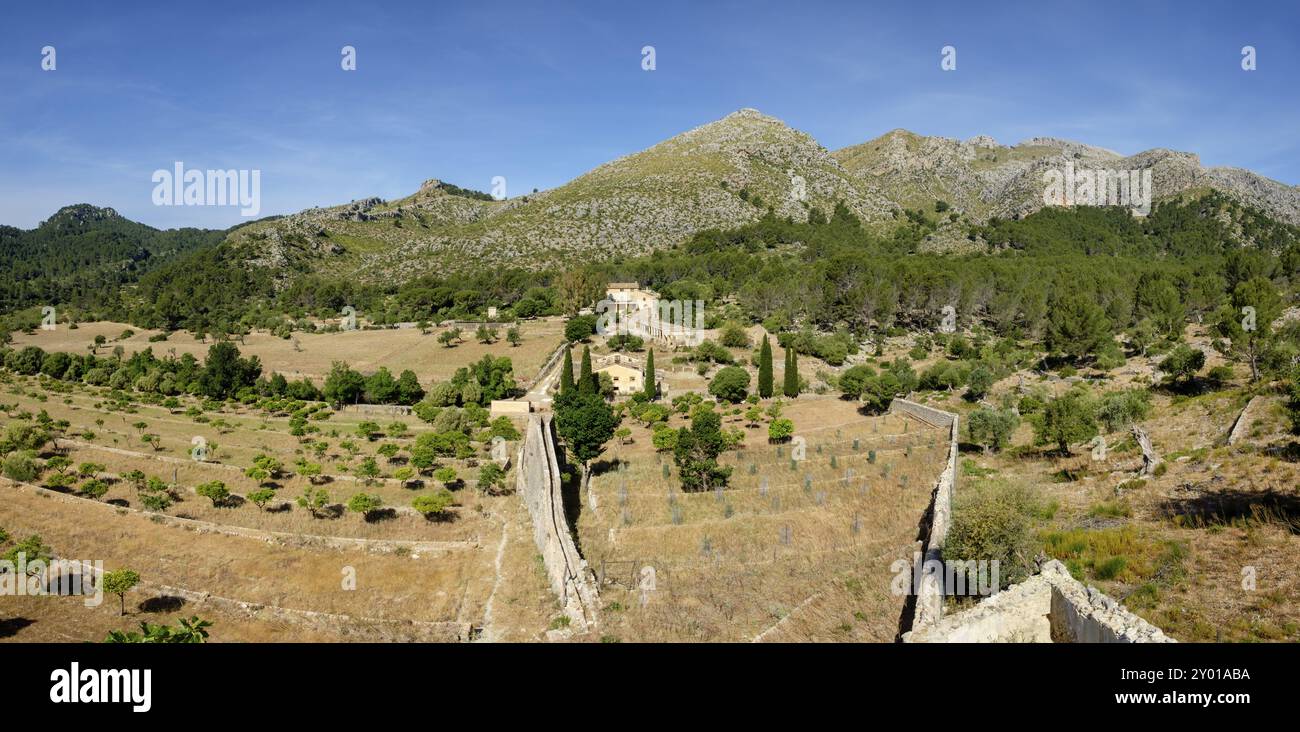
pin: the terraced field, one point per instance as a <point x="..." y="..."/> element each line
<point x="792" y="549"/>
<point x="277" y="573"/>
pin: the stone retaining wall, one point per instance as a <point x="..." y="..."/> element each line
<point x="538" y="483"/>
<point x="930" y="595"/>
<point x="374" y="630"/>
<point x="1241" y="427"/>
<point x="410" y="548"/>
<point x="1050" y="607"/>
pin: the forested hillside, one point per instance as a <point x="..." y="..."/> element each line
<point x="83" y="256"/>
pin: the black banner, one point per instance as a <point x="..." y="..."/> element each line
<point x="297" y="682"/>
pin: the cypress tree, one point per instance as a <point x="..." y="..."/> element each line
<point x="649" y="387"/>
<point x="791" y="385"/>
<point x="587" y="383"/>
<point x="566" y="373"/>
<point x="765" y="369"/>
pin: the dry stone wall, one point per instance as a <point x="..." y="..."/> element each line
<point x="538" y="483"/>
<point x="1241" y="427"/>
<point x="1050" y="607"/>
<point x="930" y="594"/>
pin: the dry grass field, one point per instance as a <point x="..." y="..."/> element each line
<point x="791" y="550"/>
<point x="274" y="574"/>
<point x="311" y="354"/>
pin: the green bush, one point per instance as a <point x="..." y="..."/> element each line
<point x="993" y="520"/>
<point x="21" y="468"/>
<point x="730" y="384"/>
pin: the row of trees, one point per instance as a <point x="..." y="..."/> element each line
<point x="345" y="385"/>
<point x="224" y="374"/>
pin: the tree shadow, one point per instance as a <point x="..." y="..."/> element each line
<point x="1193" y="386"/>
<point x="161" y="604"/>
<point x="9" y="627"/>
<point x="1228" y="507"/>
<point x="605" y="465"/>
<point x="380" y="515"/>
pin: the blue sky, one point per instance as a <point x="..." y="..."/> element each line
<point x="540" y="92"/>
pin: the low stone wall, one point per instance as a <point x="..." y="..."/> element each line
<point x="410" y="548"/>
<point x="372" y="630"/>
<point x="930" y="595"/>
<point x="1082" y="614"/>
<point x="381" y="410"/>
<point x="1050" y="607"/>
<point x="538" y="483"/>
<point x="1019" y="614"/>
<point x="929" y="415"/>
<point x="1241" y="427"/>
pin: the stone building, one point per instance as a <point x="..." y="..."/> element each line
<point x="632" y="310"/>
<point x="627" y="373"/>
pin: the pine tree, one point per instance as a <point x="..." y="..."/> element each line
<point x="566" y="374"/>
<point x="791" y="385"/>
<point x="587" y="383"/>
<point x="650" y="389"/>
<point x="765" y="369"/>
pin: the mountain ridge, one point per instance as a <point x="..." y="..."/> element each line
<point x="719" y="175"/>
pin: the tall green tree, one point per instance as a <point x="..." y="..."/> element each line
<point x="566" y="372"/>
<point x="1248" y="324"/>
<point x="650" y="387"/>
<point x="765" y="369"/>
<point x="343" y="385"/>
<point x="1160" y="302"/>
<point x="585" y="422"/>
<point x="587" y="384"/>
<point x="791" y="383"/>
<point x="225" y="373"/>
<point x="1076" y="326"/>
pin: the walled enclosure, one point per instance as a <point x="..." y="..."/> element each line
<point x="1050" y="607"/>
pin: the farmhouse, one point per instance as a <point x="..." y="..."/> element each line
<point x="627" y="373"/>
<point x="629" y="309"/>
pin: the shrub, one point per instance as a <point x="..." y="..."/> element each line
<point x="94" y="488"/>
<point x="365" y="503"/>
<point x="1117" y="410"/>
<point x="993" y="520"/>
<point x="21" y="468"/>
<point x="780" y="429"/>
<point x="734" y="336"/>
<point x="435" y="505"/>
